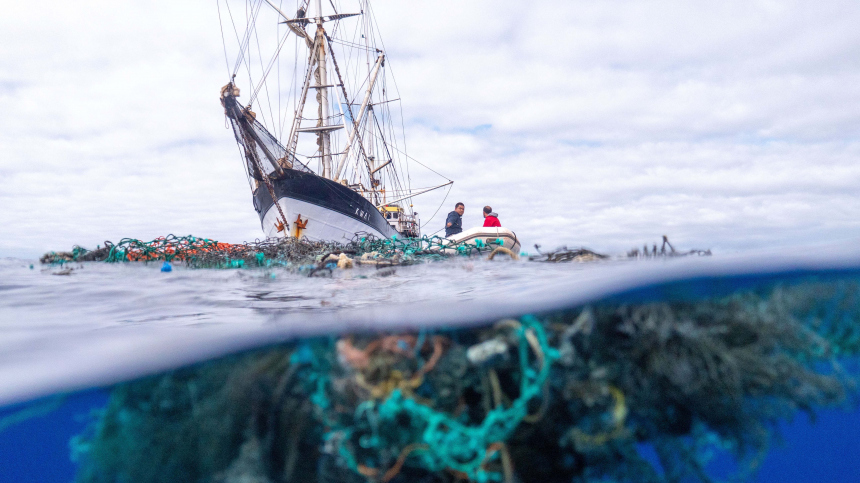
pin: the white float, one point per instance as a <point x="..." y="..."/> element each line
<point x="486" y="236"/>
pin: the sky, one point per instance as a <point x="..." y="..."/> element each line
<point x="729" y="125"/>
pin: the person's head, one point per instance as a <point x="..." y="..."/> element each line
<point x="460" y="208"/>
<point x="487" y="211"/>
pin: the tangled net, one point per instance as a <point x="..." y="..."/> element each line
<point x="568" y="396"/>
<point x="565" y="254"/>
<point x="663" y="253"/>
<point x="206" y="253"/>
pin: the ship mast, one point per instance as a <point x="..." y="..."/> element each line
<point x="321" y="77"/>
<point x="366" y="163"/>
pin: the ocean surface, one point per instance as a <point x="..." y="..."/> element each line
<point x="83" y="343"/>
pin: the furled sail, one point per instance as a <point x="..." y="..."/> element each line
<point x="264" y="155"/>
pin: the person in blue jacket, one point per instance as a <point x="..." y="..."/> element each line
<point x="454" y="223"/>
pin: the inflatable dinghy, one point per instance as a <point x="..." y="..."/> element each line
<point x="487" y="236"/>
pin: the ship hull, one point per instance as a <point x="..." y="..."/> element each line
<point x="318" y="209"/>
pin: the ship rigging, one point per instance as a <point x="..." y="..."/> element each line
<point x="330" y="167"/>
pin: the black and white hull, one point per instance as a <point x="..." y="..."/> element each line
<point x="318" y="208"/>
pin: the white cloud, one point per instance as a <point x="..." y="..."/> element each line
<point x="726" y="124"/>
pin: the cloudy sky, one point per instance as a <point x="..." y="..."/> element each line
<point x="731" y="125"/>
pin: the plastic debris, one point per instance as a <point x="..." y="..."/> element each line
<point x="567" y="396"/>
<point x="282" y="252"/>
<point x="565" y="254"/>
<point x="166" y="267"/>
<point x="314" y="257"/>
<point x="653" y="253"/>
<point x="344" y="261"/>
<point x="483" y="353"/>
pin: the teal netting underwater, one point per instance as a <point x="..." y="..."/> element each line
<point x="566" y="396"/>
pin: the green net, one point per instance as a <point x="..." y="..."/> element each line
<point x="207" y="253"/>
<point x="456" y="445"/>
<point x="561" y="397"/>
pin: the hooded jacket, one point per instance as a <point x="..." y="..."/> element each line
<point x="492" y="219"/>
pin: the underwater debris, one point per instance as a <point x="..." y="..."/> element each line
<point x="559" y="397"/>
<point x="653" y="253"/>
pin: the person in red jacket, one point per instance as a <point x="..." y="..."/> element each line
<point x="490" y="218"/>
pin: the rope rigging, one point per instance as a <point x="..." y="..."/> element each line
<point x="380" y="165"/>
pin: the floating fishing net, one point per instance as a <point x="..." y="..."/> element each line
<point x="569" y="396"/>
<point x="663" y="253"/>
<point x="206" y="253"/>
<point x="318" y="256"/>
<point x="565" y="254"/>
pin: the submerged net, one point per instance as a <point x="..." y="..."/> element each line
<point x="569" y="396"/>
<point x="206" y="253"/>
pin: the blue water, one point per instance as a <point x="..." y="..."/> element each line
<point x="102" y="324"/>
<point x="825" y="450"/>
<point x="37" y="449"/>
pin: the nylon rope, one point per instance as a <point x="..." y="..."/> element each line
<point x="245" y="42"/>
<point x="263" y="81"/>
<point x="437" y="209"/>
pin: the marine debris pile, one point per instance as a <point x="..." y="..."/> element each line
<point x="565" y="254"/>
<point x="569" y="396"/>
<point x="206" y="253"/>
<point x="318" y="257"/>
<point x="653" y="253"/>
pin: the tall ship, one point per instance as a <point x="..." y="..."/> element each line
<point x="321" y="133"/>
